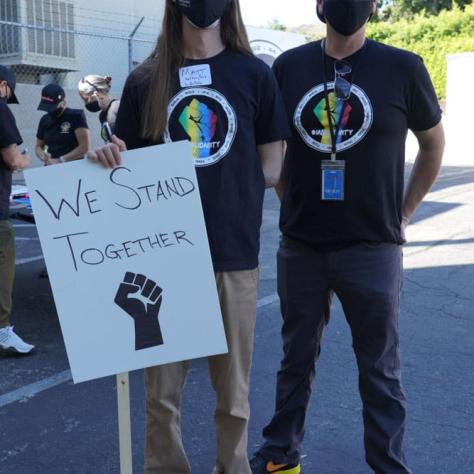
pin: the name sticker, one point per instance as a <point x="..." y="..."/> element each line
<point x="199" y="75"/>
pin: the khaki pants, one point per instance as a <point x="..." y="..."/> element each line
<point x="164" y="452"/>
<point x="7" y="271"/>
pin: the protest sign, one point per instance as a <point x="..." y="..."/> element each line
<point x="128" y="260"/>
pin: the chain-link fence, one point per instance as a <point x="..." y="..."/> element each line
<point x="52" y="41"/>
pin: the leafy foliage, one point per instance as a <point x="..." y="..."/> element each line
<point x="396" y="9"/>
<point x="276" y="25"/>
<point x="432" y="37"/>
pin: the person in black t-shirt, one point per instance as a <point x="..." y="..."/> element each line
<point x="11" y="159"/>
<point x="62" y="134"/>
<point x="203" y="84"/>
<point x="95" y="92"/>
<point x="343" y="218"/>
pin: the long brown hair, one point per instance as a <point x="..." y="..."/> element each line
<point x="167" y="58"/>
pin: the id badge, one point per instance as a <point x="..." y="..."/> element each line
<point x="332" y="173"/>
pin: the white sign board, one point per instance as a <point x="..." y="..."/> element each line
<point x="128" y="260"/>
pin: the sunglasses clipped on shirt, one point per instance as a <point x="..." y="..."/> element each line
<point x="342" y="87"/>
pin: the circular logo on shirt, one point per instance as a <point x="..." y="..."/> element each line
<point x="205" y="118"/>
<point x="354" y="115"/>
<point x="65" y="127"/>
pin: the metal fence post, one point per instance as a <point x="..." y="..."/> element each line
<point x="130" y="44"/>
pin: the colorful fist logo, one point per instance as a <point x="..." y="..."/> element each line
<point x="200" y="123"/>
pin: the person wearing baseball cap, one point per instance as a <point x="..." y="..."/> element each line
<point x="11" y="159"/>
<point x="344" y="211"/>
<point x="63" y="134"/>
<point x="51" y="96"/>
<point x="8" y="80"/>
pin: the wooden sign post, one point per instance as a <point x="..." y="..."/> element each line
<point x="125" y="431"/>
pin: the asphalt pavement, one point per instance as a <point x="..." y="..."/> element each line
<point x="50" y="426"/>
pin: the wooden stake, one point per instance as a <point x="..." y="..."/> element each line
<point x="125" y="432"/>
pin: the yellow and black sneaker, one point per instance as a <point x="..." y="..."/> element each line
<point x="260" y="465"/>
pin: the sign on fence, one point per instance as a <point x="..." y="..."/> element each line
<point x="128" y="260"/>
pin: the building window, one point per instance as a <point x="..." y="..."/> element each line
<point x="9" y="34"/>
<point x="51" y="14"/>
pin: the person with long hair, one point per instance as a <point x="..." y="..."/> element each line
<point x="202" y="83"/>
<point x="95" y="92"/>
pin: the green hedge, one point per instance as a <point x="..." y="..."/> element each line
<point x="432" y="37"/>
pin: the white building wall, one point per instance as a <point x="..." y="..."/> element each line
<point x="268" y="44"/>
<point x="117" y="19"/>
<point x="459" y="106"/>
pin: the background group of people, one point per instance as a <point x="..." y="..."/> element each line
<point x="62" y="136"/>
<point x="344" y="208"/>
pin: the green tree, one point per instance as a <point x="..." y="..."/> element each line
<point x="276" y="25"/>
<point x="395" y="9"/>
<point x="432" y="37"/>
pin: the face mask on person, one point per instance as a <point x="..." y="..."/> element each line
<point x="203" y="13"/>
<point x="346" y="16"/>
<point x="93" y="106"/>
<point x="4" y="92"/>
<point x="57" y="112"/>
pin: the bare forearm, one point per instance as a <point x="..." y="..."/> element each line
<point x="39" y="152"/>
<point x="271" y="175"/>
<point x="76" y="154"/>
<point x="20" y="163"/>
<point x="280" y="189"/>
<point x="271" y="156"/>
<point x="14" y="159"/>
<point x="424" y="174"/>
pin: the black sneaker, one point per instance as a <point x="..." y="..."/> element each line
<point x="260" y="465"/>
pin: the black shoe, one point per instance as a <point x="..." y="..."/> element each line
<point x="260" y="465"/>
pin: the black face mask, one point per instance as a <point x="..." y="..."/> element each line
<point x="203" y="13"/>
<point x="93" y="106"/>
<point x="346" y="16"/>
<point x="4" y="98"/>
<point x="56" y="113"/>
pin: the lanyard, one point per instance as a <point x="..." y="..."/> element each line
<point x="334" y="129"/>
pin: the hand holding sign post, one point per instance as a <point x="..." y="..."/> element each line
<point x="104" y="234"/>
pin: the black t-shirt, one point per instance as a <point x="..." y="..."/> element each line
<point x="391" y="93"/>
<point x="226" y="120"/>
<point x="104" y="113"/>
<point x="9" y="135"/>
<point x="59" y="133"/>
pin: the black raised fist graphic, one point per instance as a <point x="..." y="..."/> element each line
<point x="141" y="299"/>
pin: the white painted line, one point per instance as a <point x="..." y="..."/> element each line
<point x="22" y="261"/>
<point x="29" y="391"/>
<point x="26" y="238"/>
<point x="24" y="225"/>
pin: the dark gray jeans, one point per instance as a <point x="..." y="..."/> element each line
<point x="367" y="279"/>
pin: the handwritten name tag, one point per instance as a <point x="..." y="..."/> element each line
<point x="195" y="76"/>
